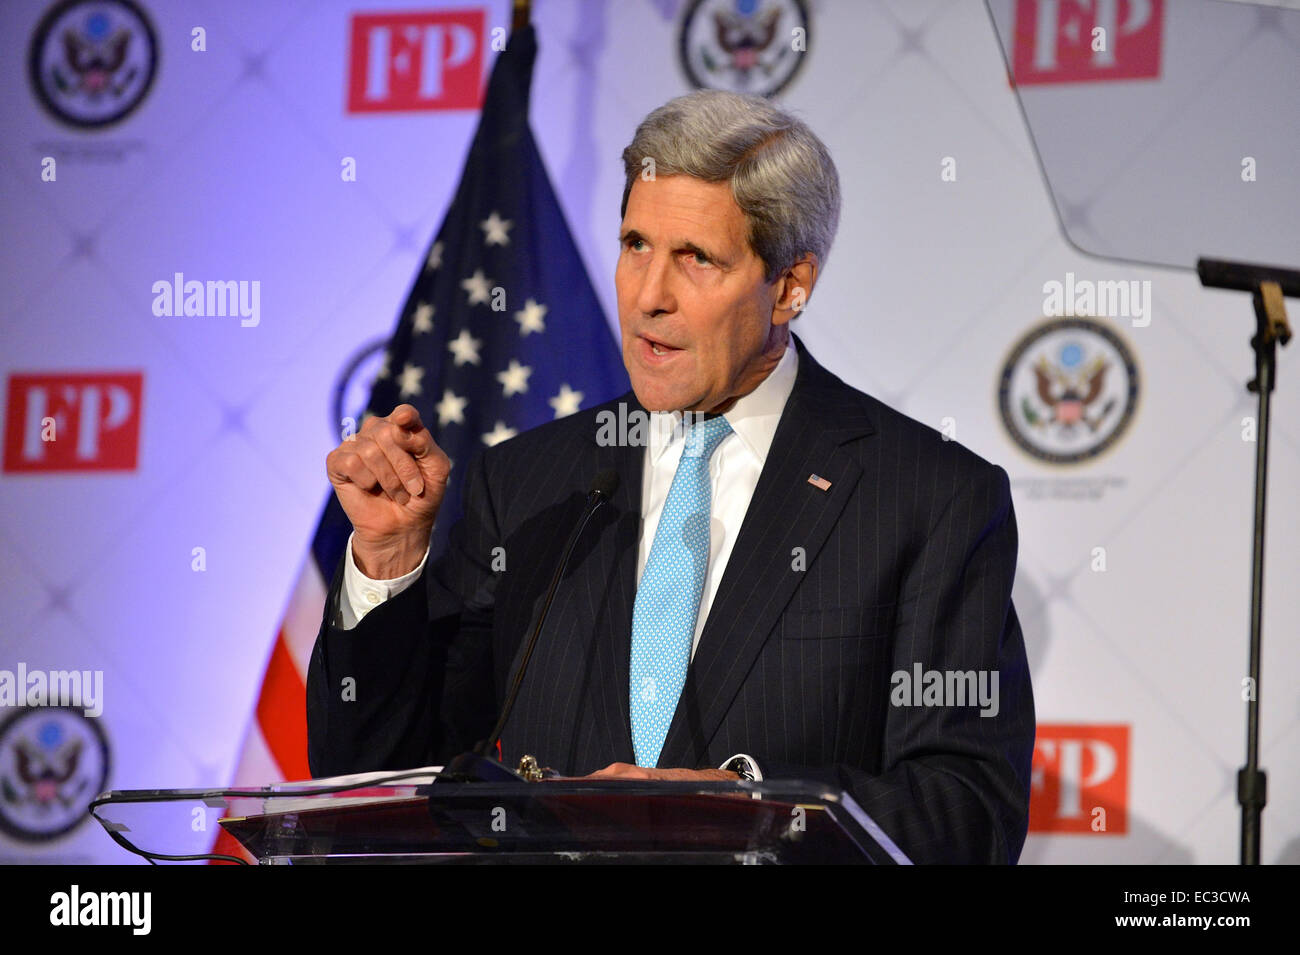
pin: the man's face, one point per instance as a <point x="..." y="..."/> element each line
<point x="693" y="308"/>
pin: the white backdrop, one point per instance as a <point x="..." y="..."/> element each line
<point x="230" y="170"/>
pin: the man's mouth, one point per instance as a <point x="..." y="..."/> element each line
<point x="656" y="349"/>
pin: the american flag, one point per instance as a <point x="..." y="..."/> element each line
<point x="501" y="332"/>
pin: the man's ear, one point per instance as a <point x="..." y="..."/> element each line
<point x="793" y="288"/>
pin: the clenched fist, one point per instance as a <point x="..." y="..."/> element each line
<point x="390" y="478"/>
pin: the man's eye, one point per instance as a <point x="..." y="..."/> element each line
<point x="701" y="259"/>
<point x="632" y="243"/>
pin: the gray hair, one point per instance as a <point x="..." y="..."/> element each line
<point x="782" y="176"/>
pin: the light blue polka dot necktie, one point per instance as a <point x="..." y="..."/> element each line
<point x="668" y="597"/>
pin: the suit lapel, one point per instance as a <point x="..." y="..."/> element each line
<point x="616" y="563"/>
<point x="786" y="512"/>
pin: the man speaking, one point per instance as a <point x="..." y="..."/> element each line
<point x="784" y="565"/>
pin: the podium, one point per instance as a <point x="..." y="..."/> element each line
<point x="416" y="821"/>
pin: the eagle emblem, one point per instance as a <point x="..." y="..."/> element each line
<point x="1068" y="390"/>
<point x="749" y="46"/>
<point x="1068" y="395"/>
<point x="53" y="762"/>
<point x="91" y="62"/>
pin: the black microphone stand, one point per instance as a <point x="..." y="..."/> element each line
<point x="1267" y="285"/>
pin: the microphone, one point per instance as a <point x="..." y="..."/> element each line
<point x="1246" y="276"/>
<point x="477" y="766"/>
<point x="604" y="484"/>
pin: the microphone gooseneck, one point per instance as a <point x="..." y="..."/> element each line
<point x="601" y="491"/>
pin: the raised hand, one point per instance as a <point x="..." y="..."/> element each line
<point x="390" y="478"/>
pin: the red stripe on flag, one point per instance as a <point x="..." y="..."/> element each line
<point x="282" y="712"/>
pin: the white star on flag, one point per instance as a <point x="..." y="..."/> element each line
<point x="566" y="402"/>
<point x="410" y="380"/>
<point x="478" y="286"/>
<point x="530" y="318"/>
<point x="423" y="318"/>
<point x="451" y="408"/>
<point x="465" y="347"/>
<point x="495" y="228"/>
<point x="514" y="380"/>
<point x="498" y="434"/>
<point x="435" y="257"/>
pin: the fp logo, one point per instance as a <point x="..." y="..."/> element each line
<point x="1081" y="41"/>
<point x="403" y="62"/>
<point x="1079" y="780"/>
<point x="73" y="422"/>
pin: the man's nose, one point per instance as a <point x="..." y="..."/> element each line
<point x="655" y="295"/>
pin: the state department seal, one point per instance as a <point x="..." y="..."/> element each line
<point x="743" y="45"/>
<point x="92" y="62"/>
<point x="1068" y="390"/>
<point x="53" y="762"/>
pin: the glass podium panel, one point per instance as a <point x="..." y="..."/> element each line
<point x="409" y="819"/>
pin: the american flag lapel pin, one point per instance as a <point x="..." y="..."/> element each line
<point x="819" y="482"/>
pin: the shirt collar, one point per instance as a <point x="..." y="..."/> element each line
<point x="753" y="417"/>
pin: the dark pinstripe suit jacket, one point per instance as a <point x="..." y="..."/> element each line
<point x="908" y="558"/>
